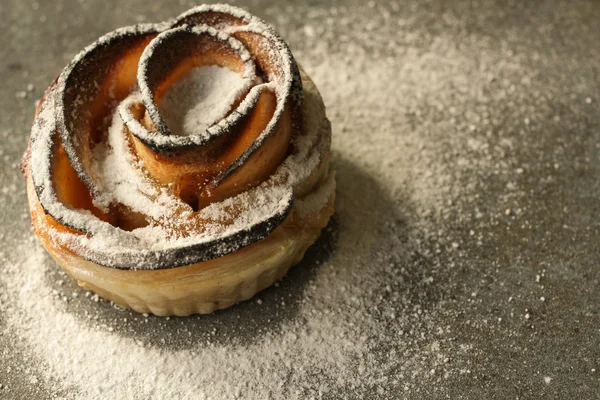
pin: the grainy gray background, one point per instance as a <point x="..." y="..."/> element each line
<point x="558" y="238"/>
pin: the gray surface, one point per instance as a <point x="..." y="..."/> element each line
<point x="557" y="231"/>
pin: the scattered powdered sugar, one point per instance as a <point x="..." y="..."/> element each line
<point x="421" y="286"/>
<point x="79" y="352"/>
<point x="200" y="98"/>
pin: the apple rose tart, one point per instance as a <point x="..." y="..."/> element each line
<point x="181" y="167"/>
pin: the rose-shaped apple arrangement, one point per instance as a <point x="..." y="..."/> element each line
<point x="181" y="167"/>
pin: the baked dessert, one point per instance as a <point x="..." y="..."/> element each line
<point x="181" y="167"/>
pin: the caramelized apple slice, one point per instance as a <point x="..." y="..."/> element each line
<point x="170" y="56"/>
<point x="237" y="153"/>
<point x="259" y="158"/>
<point x="89" y="88"/>
<point x="187" y="161"/>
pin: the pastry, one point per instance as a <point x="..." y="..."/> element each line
<point x="181" y="167"/>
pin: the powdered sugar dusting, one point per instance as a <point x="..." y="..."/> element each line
<point x="120" y="178"/>
<point x="200" y="98"/>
